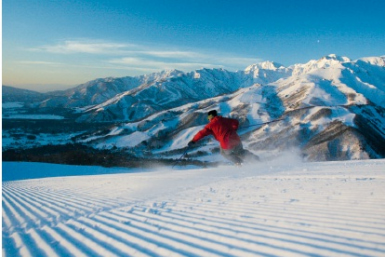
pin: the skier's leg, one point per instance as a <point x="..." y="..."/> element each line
<point x="249" y="156"/>
<point x="244" y="154"/>
<point x="229" y="154"/>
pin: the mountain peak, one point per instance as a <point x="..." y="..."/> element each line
<point x="328" y="61"/>
<point x="334" y="57"/>
<point x="266" y="65"/>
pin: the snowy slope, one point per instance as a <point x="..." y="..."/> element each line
<point x="330" y="80"/>
<point x="167" y="93"/>
<point x="99" y="90"/>
<point x="267" y="72"/>
<point x="282" y="208"/>
<point x="329" y="112"/>
<point x="336" y="80"/>
<point x="331" y="109"/>
<point x="133" y="98"/>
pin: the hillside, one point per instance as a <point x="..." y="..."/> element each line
<point x="328" y="109"/>
<point x="332" y="109"/>
<point x="12" y="94"/>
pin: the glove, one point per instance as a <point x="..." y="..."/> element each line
<point x="191" y="143"/>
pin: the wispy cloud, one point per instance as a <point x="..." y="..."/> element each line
<point x="171" y="54"/>
<point x="91" y="47"/>
<point x="186" y="64"/>
<point x="40" y="63"/>
<point x="157" y="64"/>
<point x="142" y="57"/>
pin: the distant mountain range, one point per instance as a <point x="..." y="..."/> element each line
<point x="12" y="94"/>
<point x="330" y="109"/>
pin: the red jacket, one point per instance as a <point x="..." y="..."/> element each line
<point x="223" y="129"/>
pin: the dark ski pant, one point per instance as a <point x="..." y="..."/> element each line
<point x="239" y="155"/>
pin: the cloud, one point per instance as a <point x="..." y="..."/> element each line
<point x="73" y="47"/>
<point x="186" y="62"/>
<point x="159" y="64"/>
<point x="144" y="57"/>
<point x="40" y="63"/>
<point x="171" y="54"/>
<point x="99" y="47"/>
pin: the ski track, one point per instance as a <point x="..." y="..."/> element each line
<point x="310" y="210"/>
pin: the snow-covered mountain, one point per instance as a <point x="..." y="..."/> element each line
<point x="330" y="109"/>
<point x="100" y="90"/>
<point x="333" y="108"/>
<point x="133" y="98"/>
<point x="162" y="94"/>
<point x="327" y="109"/>
<point x="175" y="90"/>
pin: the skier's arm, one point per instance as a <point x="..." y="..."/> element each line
<point x="201" y="134"/>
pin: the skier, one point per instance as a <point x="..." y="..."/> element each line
<point x="224" y="130"/>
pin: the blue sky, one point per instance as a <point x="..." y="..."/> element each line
<point x="52" y="44"/>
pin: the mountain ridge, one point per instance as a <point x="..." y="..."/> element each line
<point x="332" y="108"/>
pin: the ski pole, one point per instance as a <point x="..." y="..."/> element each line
<point x="180" y="158"/>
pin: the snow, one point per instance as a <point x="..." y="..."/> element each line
<point x="267" y="65"/>
<point x="281" y="207"/>
<point x="181" y="139"/>
<point x="124" y="141"/>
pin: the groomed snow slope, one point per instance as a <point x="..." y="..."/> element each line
<point x="282" y="208"/>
